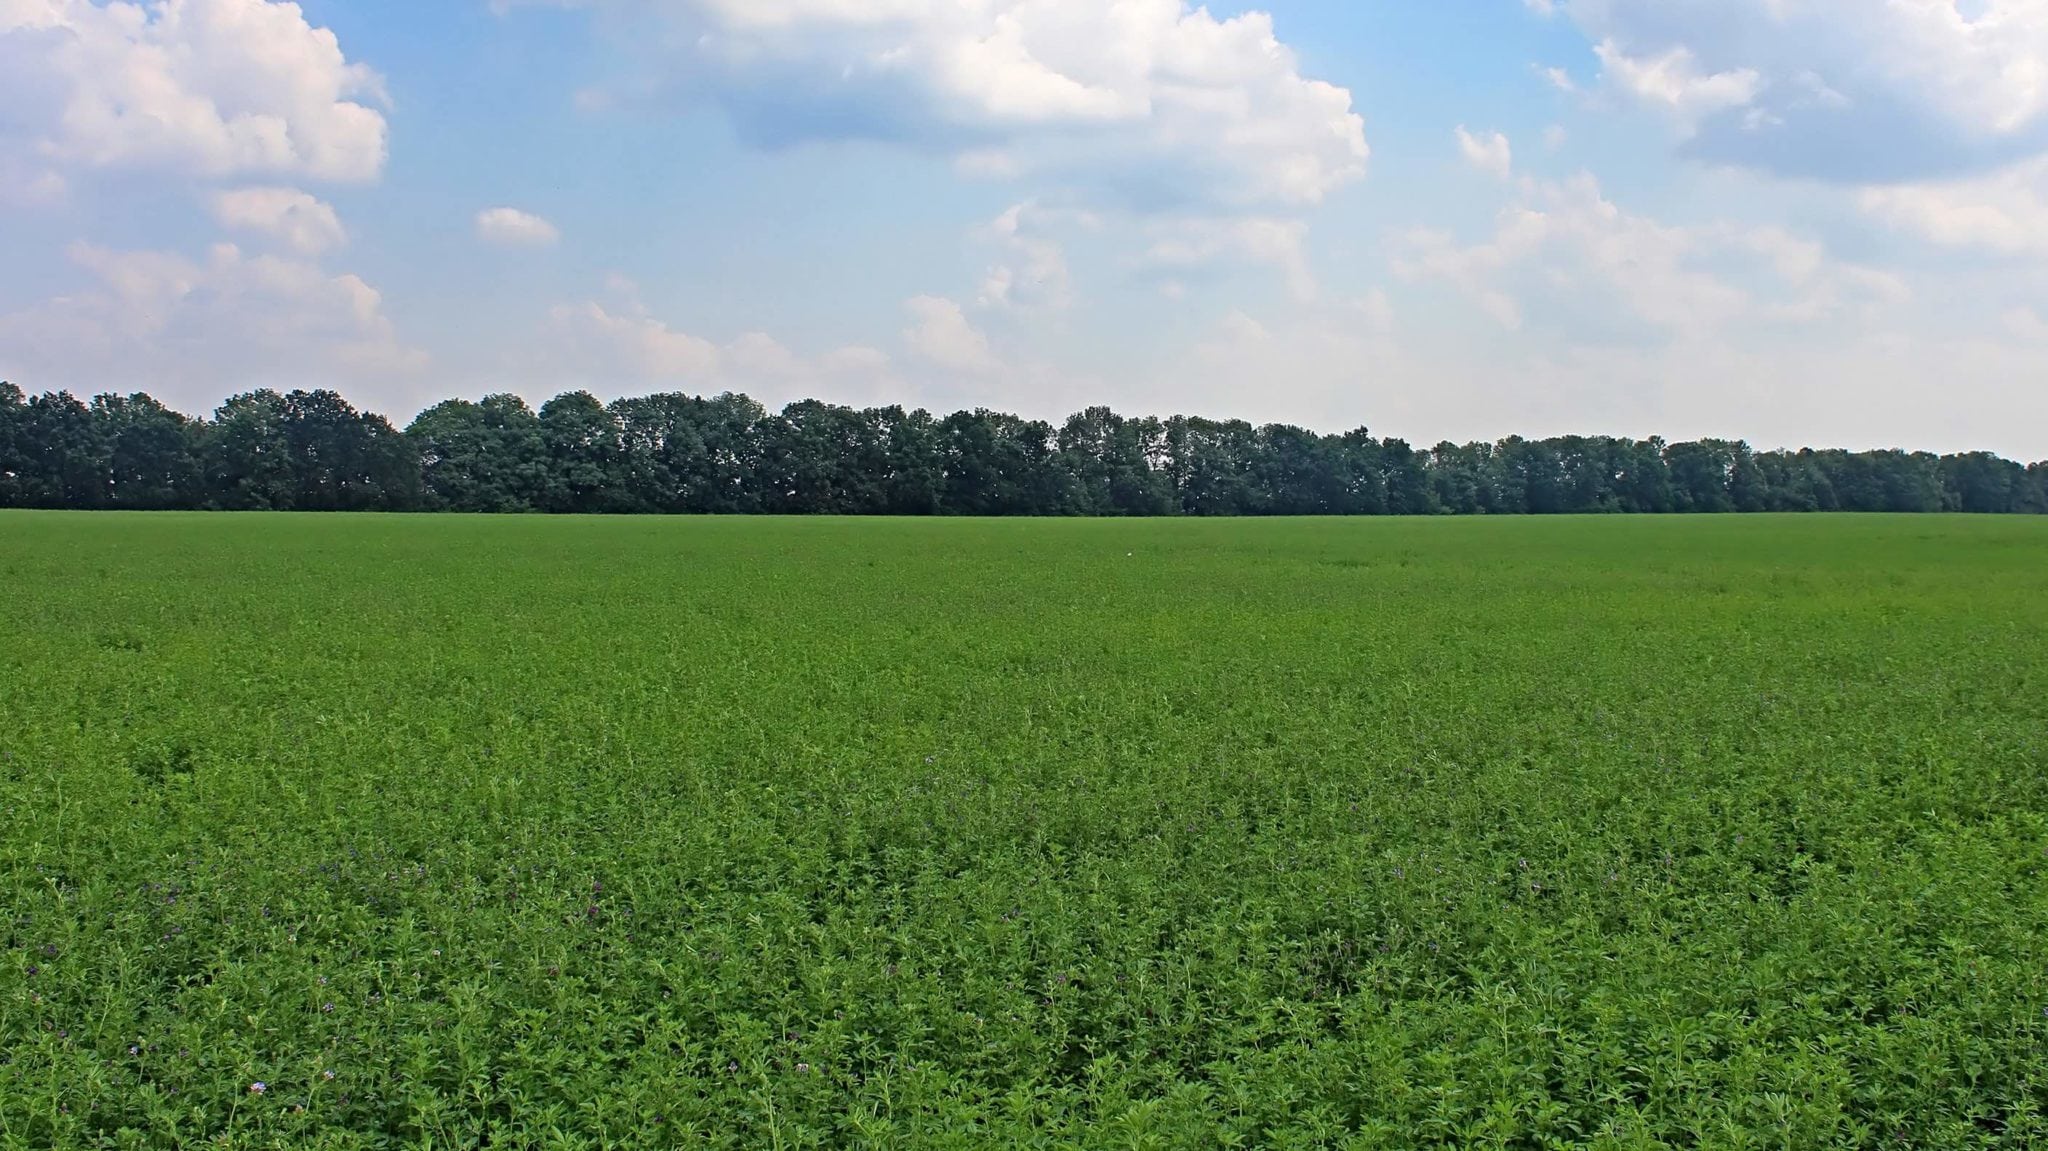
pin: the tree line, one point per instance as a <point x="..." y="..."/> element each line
<point x="727" y="454"/>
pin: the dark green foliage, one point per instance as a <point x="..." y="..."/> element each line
<point x="65" y="453"/>
<point x="152" y="453"/>
<point x="1487" y="833"/>
<point x="13" y="443"/>
<point x="482" y="457"/>
<point x="305" y="451"/>
<point x="727" y="455"/>
<point x="1001" y="465"/>
<point x="248" y="455"/>
<point x="585" y="464"/>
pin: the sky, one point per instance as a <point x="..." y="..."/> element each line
<point x="1796" y="222"/>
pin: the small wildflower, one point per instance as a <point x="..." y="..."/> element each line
<point x="327" y="1009"/>
<point x="803" y="1068"/>
<point x="258" y="1088"/>
<point x="327" y="1076"/>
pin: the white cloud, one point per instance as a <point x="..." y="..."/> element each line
<point x="2005" y="212"/>
<point x="1555" y="137"/>
<point x="512" y="228"/>
<point x="1032" y="272"/>
<point x="1339" y="360"/>
<point x="941" y="335"/>
<point x="1185" y="245"/>
<point x="1853" y="90"/>
<point x="29" y="185"/>
<point x="197" y="327"/>
<point x="214" y="88"/>
<point x="2026" y="324"/>
<point x="634" y="344"/>
<point x="621" y="344"/>
<point x="1674" y="81"/>
<point x="1565" y="253"/>
<point x="1489" y="153"/>
<point x="1149" y="97"/>
<point x="296" y="219"/>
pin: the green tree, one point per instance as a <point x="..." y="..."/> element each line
<point x="1531" y="480"/>
<point x="916" y="448"/>
<point x="65" y="454"/>
<point x="823" y="459"/>
<point x="692" y="455"/>
<point x="346" y="460"/>
<point x="13" y="444"/>
<point x="1748" y="487"/>
<point x="1404" y="473"/>
<point x="247" y="455"/>
<point x="1001" y="465"/>
<point x="1458" y="477"/>
<point x="486" y="456"/>
<point x="153" y="453"/>
<point x="1980" y="482"/>
<point x="1209" y="465"/>
<point x="1700" y="472"/>
<point x="585" y="463"/>
<point x="1116" y="466"/>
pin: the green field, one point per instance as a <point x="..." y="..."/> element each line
<point x="451" y="832"/>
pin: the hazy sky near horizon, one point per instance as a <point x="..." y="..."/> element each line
<point x="1794" y="221"/>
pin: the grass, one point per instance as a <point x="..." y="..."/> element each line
<point x="1702" y="833"/>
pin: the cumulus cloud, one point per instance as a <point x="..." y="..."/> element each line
<point x="296" y="219"/>
<point x="941" y="336"/>
<point x="619" y="342"/>
<point x="214" y="88"/>
<point x="2005" y="212"/>
<point x="1151" y="97"/>
<point x="2026" y="324"/>
<point x="1185" y="246"/>
<point x="1032" y="271"/>
<point x="1674" y="80"/>
<point x="512" y="228"/>
<point x="1566" y="255"/>
<point x="195" y="326"/>
<point x="1339" y="358"/>
<point x="1489" y="153"/>
<point x="1839" y="89"/>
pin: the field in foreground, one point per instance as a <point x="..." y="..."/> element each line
<point x="449" y="833"/>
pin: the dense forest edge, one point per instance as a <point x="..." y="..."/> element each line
<point x="727" y="454"/>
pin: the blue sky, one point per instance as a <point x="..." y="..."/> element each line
<point x="1794" y="221"/>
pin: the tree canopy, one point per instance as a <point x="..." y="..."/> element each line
<point x="728" y="455"/>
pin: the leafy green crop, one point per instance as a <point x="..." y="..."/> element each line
<point x="451" y="832"/>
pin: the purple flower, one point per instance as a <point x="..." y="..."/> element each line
<point x="258" y="1088"/>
